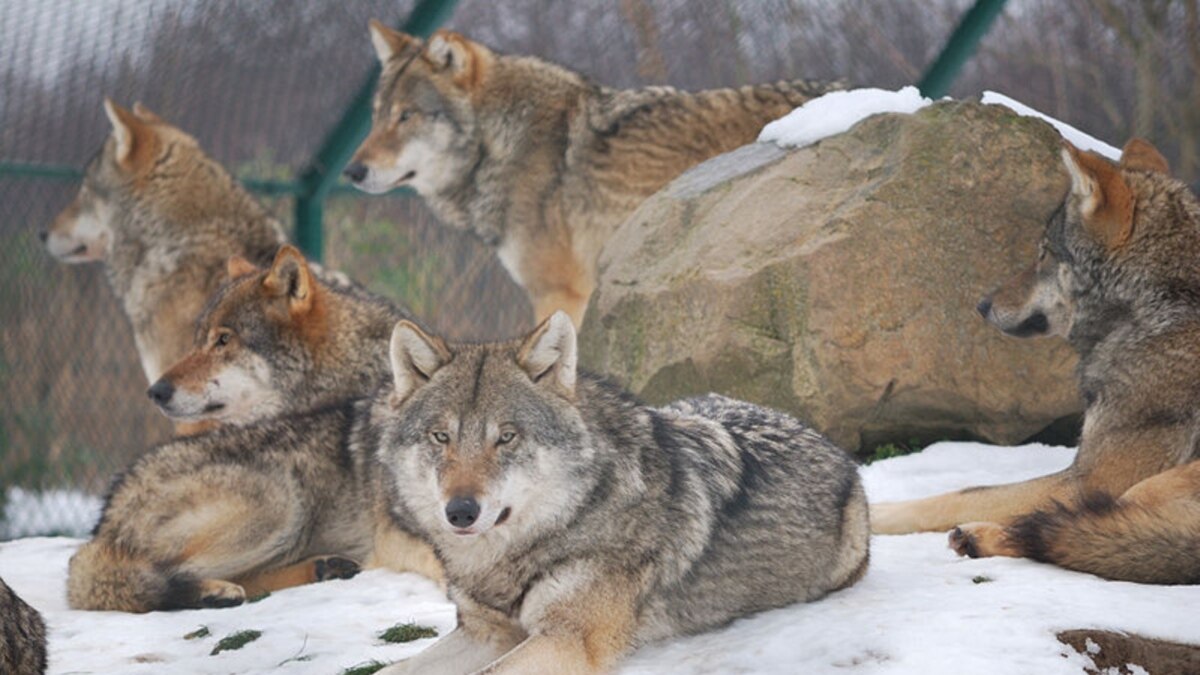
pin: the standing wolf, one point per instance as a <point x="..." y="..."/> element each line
<point x="540" y="163"/>
<point x="268" y="502"/>
<point x="1117" y="277"/>
<point x="22" y="636"/>
<point x="575" y="524"/>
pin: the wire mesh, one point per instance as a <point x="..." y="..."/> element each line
<point x="261" y="83"/>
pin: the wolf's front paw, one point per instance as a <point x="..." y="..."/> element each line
<point x="962" y="542"/>
<point x="981" y="540"/>
<point x="216" y="593"/>
<point x="335" y="567"/>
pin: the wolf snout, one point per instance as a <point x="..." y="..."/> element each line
<point x="462" y="512"/>
<point x="356" y="172"/>
<point x="161" y="392"/>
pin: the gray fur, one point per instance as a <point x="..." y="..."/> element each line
<point x="22" y="636"/>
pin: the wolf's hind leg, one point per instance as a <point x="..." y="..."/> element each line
<point x="316" y="568"/>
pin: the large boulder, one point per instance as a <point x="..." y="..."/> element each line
<point x="838" y="282"/>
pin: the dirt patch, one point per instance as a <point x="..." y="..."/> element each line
<point x="1117" y="651"/>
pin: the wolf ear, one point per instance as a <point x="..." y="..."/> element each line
<point x="550" y="352"/>
<point x="388" y="42"/>
<point x="415" y="357"/>
<point x="1105" y="200"/>
<point x="465" y="60"/>
<point x="146" y="114"/>
<point x="1141" y="155"/>
<point x="135" y="139"/>
<point x="290" y="277"/>
<point x="237" y="266"/>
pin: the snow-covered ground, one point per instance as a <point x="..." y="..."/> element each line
<point x="920" y="609"/>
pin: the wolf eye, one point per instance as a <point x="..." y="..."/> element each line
<point x="506" y="438"/>
<point x="441" y="437"/>
<point x="405" y="114"/>
<point x="223" y="338"/>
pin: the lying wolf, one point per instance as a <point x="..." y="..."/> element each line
<point x="575" y="524"/>
<point x="1117" y="277"/>
<point x="540" y="163"/>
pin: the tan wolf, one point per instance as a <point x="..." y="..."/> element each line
<point x="285" y="494"/>
<point x="163" y="217"/>
<point x="575" y="524"/>
<point x="1117" y="277"/>
<point x="536" y="160"/>
<point x="22" y="636"/>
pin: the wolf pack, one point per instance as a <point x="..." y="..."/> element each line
<point x="322" y="430"/>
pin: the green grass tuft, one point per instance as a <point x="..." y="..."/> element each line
<point x="889" y="450"/>
<point x="407" y="632"/>
<point x="201" y="632"/>
<point x="980" y="580"/>
<point x="365" y="668"/>
<point x="236" y="641"/>
<point x="258" y="598"/>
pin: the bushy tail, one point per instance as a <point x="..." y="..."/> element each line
<point x="22" y="635"/>
<point x="103" y="577"/>
<point x="1152" y="544"/>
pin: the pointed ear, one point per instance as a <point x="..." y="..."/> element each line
<point x="387" y="42"/>
<point x="130" y="132"/>
<point x="415" y="357"/>
<point x="1105" y="200"/>
<point x="465" y="60"/>
<point x="549" y="353"/>
<point x="237" y="266"/>
<point x="1141" y="155"/>
<point x="291" y="277"/>
<point x="146" y="114"/>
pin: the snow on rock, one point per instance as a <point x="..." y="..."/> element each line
<point x="1075" y="136"/>
<point x="920" y="609"/>
<point x="836" y="112"/>
<point x="28" y="513"/>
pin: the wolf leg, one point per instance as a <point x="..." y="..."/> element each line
<point x="399" y="551"/>
<point x="999" y="504"/>
<point x="483" y="635"/>
<point x="316" y="568"/>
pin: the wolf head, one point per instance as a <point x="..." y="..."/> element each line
<point x="255" y="345"/>
<point x="140" y="146"/>
<point x="425" y="131"/>
<point x="1105" y="249"/>
<point x="487" y="440"/>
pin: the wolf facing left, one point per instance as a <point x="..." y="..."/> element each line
<point x="575" y="524"/>
<point x="22" y="636"/>
<point x="283" y="494"/>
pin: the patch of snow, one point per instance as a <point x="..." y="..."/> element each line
<point x="836" y="112"/>
<point x="1077" y="138"/>
<point x="919" y="609"/>
<point x="27" y="513"/>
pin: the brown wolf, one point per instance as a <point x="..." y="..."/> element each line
<point x="540" y="163"/>
<point x="285" y="494"/>
<point x="1117" y="277"/>
<point x="575" y="524"/>
<point x="164" y="218"/>
<point x="22" y="636"/>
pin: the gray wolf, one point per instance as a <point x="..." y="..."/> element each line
<point x="1116" y="277"/>
<point x="285" y="493"/>
<point x="575" y="524"/>
<point x="164" y="218"/>
<point x="536" y="160"/>
<point x="22" y="635"/>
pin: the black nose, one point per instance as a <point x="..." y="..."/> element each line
<point x="161" y="392"/>
<point x="356" y="172"/>
<point x="43" y="235"/>
<point x="984" y="307"/>
<point x="462" y="511"/>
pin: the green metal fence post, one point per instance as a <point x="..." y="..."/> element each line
<point x="335" y="151"/>
<point x="962" y="43"/>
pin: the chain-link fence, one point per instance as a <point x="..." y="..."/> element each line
<point x="260" y="84"/>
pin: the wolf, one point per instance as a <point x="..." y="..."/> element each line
<point x="278" y="340"/>
<point x="22" y="635"/>
<point x="1116" y="277"/>
<point x="284" y="494"/>
<point x="536" y="160"/>
<point x="164" y="218"/>
<point x="575" y="524"/>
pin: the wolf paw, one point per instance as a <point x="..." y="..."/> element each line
<point x="335" y="567"/>
<point x="215" y="593"/>
<point x="963" y="543"/>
